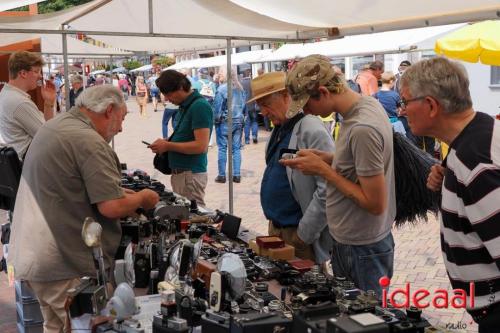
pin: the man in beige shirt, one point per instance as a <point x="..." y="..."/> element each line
<point x="71" y="173"/>
<point x="20" y="118"/>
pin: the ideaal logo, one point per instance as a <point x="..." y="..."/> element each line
<point x="422" y="298"/>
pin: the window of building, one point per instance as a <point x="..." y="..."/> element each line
<point x="495" y="75"/>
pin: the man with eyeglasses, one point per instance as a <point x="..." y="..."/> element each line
<point x="361" y="199"/>
<point x="20" y="118"/>
<point x="437" y="101"/>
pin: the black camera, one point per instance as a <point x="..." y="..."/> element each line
<point x="87" y="297"/>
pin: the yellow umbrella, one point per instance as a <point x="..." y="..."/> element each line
<point x="473" y="43"/>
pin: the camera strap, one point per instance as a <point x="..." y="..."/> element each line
<point x="183" y="111"/>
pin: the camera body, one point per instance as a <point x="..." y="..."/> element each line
<point x="87" y="297"/>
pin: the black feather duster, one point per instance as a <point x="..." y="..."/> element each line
<point x="412" y="166"/>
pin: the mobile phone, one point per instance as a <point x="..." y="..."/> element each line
<point x="146" y="143"/>
<point x="288" y="154"/>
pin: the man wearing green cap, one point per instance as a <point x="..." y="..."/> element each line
<point x="360" y="202"/>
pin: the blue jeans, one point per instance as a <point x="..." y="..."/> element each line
<point x="221" y="132"/>
<point x="364" y="264"/>
<point x="251" y="123"/>
<point x="167" y="114"/>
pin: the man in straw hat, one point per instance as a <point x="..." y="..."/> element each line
<point x="360" y="201"/>
<point x="299" y="218"/>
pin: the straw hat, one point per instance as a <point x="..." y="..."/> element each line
<point x="267" y="84"/>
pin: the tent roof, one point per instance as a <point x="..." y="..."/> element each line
<point x="359" y="16"/>
<point x="236" y="59"/>
<point x="382" y="42"/>
<point x="145" y="68"/>
<point x="199" y="19"/>
<point x="52" y="44"/>
<point x="204" y="24"/>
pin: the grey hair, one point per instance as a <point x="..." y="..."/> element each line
<point x="442" y="79"/>
<point x="98" y="98"/>
<point x="76" y="78"/>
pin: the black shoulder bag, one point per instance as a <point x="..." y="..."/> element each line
<point x="160" y="161"/>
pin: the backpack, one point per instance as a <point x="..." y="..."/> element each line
<point x="206" y="88"/>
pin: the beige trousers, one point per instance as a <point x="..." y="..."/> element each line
<point x="289" y="236"/>
<point x="190" y="185"/>
<point x="52" y="297"/>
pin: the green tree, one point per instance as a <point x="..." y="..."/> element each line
<point x="164" y="61"/>
<point x="50" y="6"/>
<point x="55" y="5"/>
<point x="131" y="64"/>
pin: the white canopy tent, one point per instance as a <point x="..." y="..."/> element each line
<point x="52" y="44"/>
<point x="99" y="71"/>
<point x="236" y="59"/>
<point x="144" y="68"/>
<point x="359" y="16"/>
<point x="382" y="42"/>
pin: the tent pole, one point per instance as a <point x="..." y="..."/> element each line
<point x="229" y="125"/>
<point x="150" y="14"/>
<point x="66" y="69"/>
<point x="111" y="71"/>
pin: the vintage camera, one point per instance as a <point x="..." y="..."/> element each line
<point x="358" y="323"/>
<point x="266" y="268"/>
<point x="87" y="297"/>
<point x="312" y="287"/>
<point x="260" y="322"/>
<point x="313" y="318"/>
<point x="139" y="180"/>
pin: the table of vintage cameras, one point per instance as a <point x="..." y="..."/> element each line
<point x="273" y="289"/>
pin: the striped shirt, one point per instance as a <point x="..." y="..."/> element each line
<point x="470" y="210"/>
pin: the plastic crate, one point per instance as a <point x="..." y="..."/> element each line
<point x="30" y="327"/>
<point x="29" y="312"/>
<point x="23" y="292"/>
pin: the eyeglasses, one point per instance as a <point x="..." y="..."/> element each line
<point x="403" y="103"/>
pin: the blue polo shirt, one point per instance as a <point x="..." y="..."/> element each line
<point x="276" y="197"/>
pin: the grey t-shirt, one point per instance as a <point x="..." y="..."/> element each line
<point x="364" y="148"/>
<point x="68" y="169"/>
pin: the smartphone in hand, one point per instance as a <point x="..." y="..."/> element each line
<point x="288" y="154"/>
<point x="146" y="143"/>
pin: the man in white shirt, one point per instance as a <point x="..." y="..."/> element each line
<point x="20" y="118"/>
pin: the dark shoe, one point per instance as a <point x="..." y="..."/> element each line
<point x="220" y="179"/>
<point x="255" y="140"/>
<point x="236" y="179"/>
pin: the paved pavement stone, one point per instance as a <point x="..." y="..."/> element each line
<point x="417" y="255"/>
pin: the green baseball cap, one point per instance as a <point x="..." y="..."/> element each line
<point x="307" y="75"/>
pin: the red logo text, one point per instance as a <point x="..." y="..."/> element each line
<point x="423" y="298"/>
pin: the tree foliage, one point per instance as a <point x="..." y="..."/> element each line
<point x="55" y="5"/>
<point x="131" y="64"/>
<point x="163" y="61"/>
<point x="50" y="6"/>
